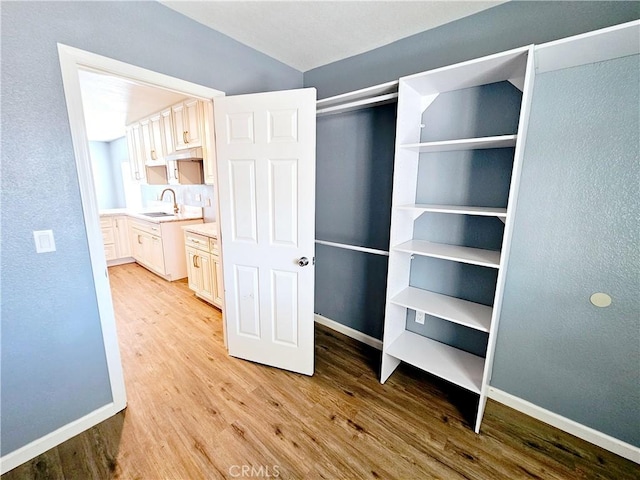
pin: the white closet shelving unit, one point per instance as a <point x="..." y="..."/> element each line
<point x="416" y="94"/>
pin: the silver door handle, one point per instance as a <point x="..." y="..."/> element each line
<point x="303" y="262"/>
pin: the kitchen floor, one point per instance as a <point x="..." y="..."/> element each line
<point x="194" y="412"/>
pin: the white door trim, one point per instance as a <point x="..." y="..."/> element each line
<point x="71" y="59"/>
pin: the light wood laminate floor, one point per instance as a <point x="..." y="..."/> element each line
<point x="196" y="413"/>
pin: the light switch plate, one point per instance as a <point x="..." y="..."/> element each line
<point x="420" y="317"/>
<point x="44" y="241"/>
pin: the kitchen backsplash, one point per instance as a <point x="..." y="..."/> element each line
<point x="202" y="196"/>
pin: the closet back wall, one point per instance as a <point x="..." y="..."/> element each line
<point x="354" y="174"/>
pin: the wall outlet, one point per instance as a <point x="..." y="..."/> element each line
<point x="420" y="317"/>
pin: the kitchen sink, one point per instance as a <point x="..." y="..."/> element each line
<point x="157" y="214"/>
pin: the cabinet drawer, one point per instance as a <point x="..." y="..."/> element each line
<point x="110" y="252"/>
<point x="152" y="228"/>
<point x="106" y="222"/>
<point x="108" y="237"/>
<point x="196" y="241"/>
<point x="213" y="246"/>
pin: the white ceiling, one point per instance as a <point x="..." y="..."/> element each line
<point x="110" y="103"/>
<point x="308" y="34"/>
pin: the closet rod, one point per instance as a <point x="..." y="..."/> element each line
<point x="353" y="247"/>
<point x="358" y="104"/>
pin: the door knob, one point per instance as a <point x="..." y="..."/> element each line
<point x="303" y="262"/>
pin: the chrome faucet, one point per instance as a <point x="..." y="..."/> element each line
<point x="175" y="202"/>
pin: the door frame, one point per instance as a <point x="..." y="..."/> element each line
<point x="71" y="60"/>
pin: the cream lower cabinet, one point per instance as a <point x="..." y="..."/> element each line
<point x="204" y="267"/>
<point x="159" y="247"/>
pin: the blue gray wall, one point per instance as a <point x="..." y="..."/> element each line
<point x="510" y="25"/>
<point x="353" y="206"/>
<point x="565" y="380"/>
<point x="53" y="362"/>
<point x="119" y="154"/>
<point x="107" y="176"/>
<point x="576" y="233"/>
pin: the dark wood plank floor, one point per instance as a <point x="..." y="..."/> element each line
<point x="196" y="413"/>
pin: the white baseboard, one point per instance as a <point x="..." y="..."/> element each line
<point x="349" y="332"/>
<point x="600" y="439"/>
<point x="120" y="261"/>
<point x="55" y="438"/>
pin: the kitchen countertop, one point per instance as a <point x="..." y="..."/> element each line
<point x="206" y="229"/>
<point x="140" y="215"/>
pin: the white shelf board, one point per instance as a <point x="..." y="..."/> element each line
<point x="357" y="95"/>
<point x="591" y="47"/>
<point x="457" y="310"/>
<point x="481" y="71"/>
<point x="452" y="364"/>
<point x="456" y="209"/>
<point x="499" y="141"/>
<point x="473" y="256"/>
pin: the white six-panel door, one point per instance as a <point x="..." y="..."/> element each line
<point x="266" y="178"/>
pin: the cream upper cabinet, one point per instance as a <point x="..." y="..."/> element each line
<point x="209" y="146"/>
<point x="158" y="142"/>
<point x="153" y="138"/>
<point x="187" y="123"/>
<point x="136" y="158"/>
<point x="146" y="142"/>
<point x="167" y="129"/>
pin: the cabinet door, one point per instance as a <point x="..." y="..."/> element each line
<point x="123" y="243"/>
<point x="146" y="142"/>
<point x="136" y="158"/>
<point x="193" y="273"/>
<point x="208" y="129"/>
<point x="156" y="256"/>
<point x="187" y="124"/>
<point x="132" y="147"/>
<point x="167" y="131"/>
<point x="110" y="252"/>
<point x="138" y="245"/>
<point x="206" y="271"/>
<point x="218" y="288"/>
<point x="180" y="126"/>
<point x="158" y="150"/>
<point x="193" y="113"/>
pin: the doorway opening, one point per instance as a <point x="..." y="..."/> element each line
<point x="72" y="62"/>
